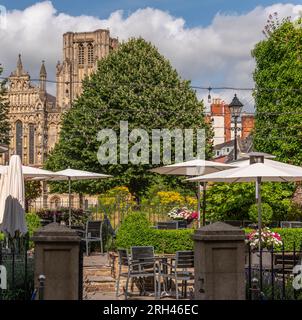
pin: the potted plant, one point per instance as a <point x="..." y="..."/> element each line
<point x="269" y="240"/>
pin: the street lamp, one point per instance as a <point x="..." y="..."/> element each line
<point x="235" y="109"/>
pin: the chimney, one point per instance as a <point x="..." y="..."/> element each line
<point x="247" y="125"/>
<point x="227" y="123"/>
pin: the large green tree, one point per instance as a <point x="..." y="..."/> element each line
<point x="277" y="76"/>
<point x="4" y="123"/>
<point x="278" y="95"/>
<point x="136" y="84"/>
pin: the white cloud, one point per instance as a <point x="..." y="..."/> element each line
<point x="218" y="54"/>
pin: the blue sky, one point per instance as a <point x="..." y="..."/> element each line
<point x="208" y="42"/>
<point x="195" y="12"/>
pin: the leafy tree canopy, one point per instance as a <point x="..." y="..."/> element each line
<point x="278" y="79"/>
<point x="135" y="84"/>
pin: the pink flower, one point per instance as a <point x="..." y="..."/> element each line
<point x="194" y="215"/>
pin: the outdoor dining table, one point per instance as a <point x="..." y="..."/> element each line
<point x="165" y="258"/>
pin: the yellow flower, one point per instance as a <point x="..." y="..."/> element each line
<point x="191" y="201"/>
<point x="170" y="197"/>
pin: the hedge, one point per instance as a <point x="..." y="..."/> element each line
<point x="137" y="231"/>
<point x="290" y="236"/>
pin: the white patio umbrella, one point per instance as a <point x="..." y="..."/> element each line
<point x="194" y="168"/>
<point x="72" y="174"/>
<point x="33" y="173"/>
<point x="256" y="172"/>
<point x="273" y="163"/>
<point x="12" y="198"/>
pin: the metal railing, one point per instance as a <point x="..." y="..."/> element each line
<point x="274" y="274"/>
<point x="19" y="265"/>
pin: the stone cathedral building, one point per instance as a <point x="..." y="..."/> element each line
<point x="34" y="114"/>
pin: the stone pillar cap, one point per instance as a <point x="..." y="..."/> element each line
<point x="219" y="231"/>
<point x="54" y="232"/>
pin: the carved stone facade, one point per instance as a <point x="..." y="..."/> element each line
<point x="32" y="113"/>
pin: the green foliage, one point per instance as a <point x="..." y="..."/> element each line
<point x="169" y="241"/>
<point x="266" y="213"/>
<point x="232" y="201"/>
<point x="135" y="84"/>
<point x="294" y="212"/>
<point x="4" y="123"/>
<point x="164" y="241"/>
<point x="33" y="222"/>
<point x="290" y="236"/>
<point x="278" y="107"/>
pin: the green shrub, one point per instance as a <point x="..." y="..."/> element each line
<point x="290" y="236"/>
<point x="33" y="222"/>
<point x="136" y="231"/>
<point x="266" y="213"/>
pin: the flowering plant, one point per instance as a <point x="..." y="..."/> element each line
<point x="269" y="239"/>
<point x="183" y="213"/>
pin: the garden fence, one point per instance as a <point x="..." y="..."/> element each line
<point x="274" y="274"/>
<point x="18" y="262"/>
<point x="116" y="212"/>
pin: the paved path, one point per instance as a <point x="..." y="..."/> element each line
<point x="99" y="283"/>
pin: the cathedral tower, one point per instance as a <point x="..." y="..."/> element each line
<point x="81" y="51"/>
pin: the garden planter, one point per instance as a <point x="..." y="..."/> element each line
<point x="266" y="259"/>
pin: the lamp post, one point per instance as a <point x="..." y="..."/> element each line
<point x="235" y="109"/>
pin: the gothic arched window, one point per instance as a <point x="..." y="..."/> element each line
<point x="81" y="54"/>
<point x="31" y="143"/>
<point x="19" y="138"/>
<point x="90" y="53"/>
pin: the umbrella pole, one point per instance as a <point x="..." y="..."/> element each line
<point x="204" y="204"/>
<point x="198" y="203"/>
<point x="69" y="200"/>
<point x="258" y="197"/>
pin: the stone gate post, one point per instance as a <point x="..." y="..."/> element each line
<point x="219" y="252"/>
<point x="57" y="258"/>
